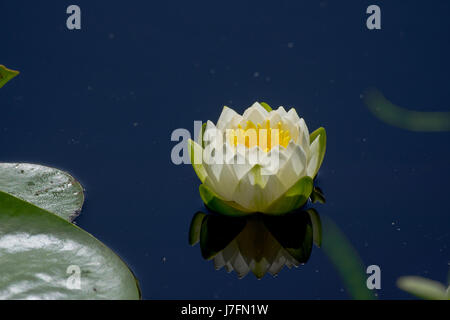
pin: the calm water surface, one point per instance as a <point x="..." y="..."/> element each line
<point x="102" y="103"/>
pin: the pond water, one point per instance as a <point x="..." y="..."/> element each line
<point x="102" y="102"/>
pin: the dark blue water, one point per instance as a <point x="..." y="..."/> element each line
<point x="102" y="103"/>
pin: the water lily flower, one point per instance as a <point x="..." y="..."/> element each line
<point x="261" y="161"/>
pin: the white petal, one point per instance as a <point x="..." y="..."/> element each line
<point x="227" y="182"/>
<point x="281" y="111"/>
<point x="225" y="117"/>
<point x="293" y="116"/>
<point x="294" y="167"/>
<point x="256" y="191"/>
<point x="256" y="113"/>
<point x="304" y="136"/>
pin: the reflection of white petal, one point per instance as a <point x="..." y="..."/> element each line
<point x="239" y="265"/>
<point x="278" y="263"/>
<point x="219" y="262"/>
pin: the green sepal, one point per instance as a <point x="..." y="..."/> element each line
<point x="194" y="229"/>
<point x="322" y="134"/>
<point x="193" y="147"/>
<point x="316" y="225"/>
<point x="6" y="75"/>
<point x="215" y="203"/>
<point x="266" y="106"/>
<point x="317" y="195"/>
<point x="293" y="198"/>
<point x="202" y="134"/>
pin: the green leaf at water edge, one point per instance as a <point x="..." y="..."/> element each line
<point x="48" y="188"/>
<point x="39" y="248"/>
<point x="6" y="75"/>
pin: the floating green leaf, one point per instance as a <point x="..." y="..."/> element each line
<point x="39" y="250"/>
<point x="423" y="288"/>
<point x="6" y="75"/>
<point x="48" y="188"/>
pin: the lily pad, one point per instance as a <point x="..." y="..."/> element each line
<point x="40" y="254"/>
<point x="6" y="75"/>
<point x="48" y="188"/>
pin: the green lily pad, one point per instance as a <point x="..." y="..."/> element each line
<point x="41" y="254"/>
<point x="48" y="188"/>
<point x="322" y="134"/>
<point x="423" y="288"/>
<point x="6" y="75"/>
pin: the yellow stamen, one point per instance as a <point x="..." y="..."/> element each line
<point x="261" y="135"/>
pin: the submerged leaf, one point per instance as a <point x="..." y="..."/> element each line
<point x="423" y="288"/>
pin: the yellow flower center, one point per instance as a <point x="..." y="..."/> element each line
<point x="261" y="135"/>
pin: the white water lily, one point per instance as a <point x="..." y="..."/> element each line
<point x="262" y="161"/>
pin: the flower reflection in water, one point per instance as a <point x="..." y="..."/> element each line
<point x="260" y="244"/>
